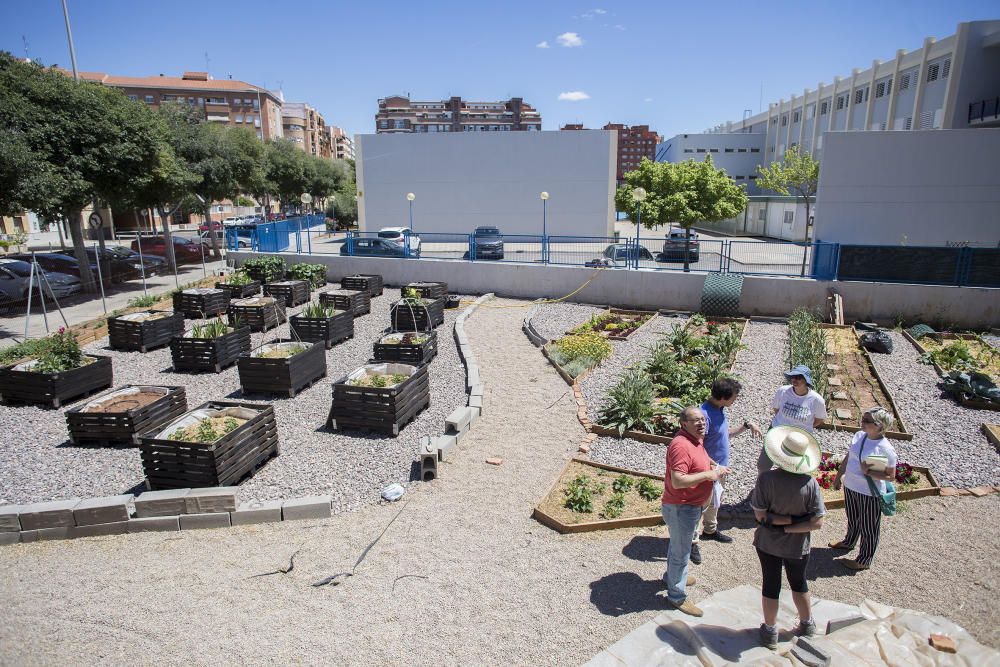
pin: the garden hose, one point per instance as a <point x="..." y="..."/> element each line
<point x="541" y="301"/>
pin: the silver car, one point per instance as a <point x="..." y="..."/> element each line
<point x="15" y="276"/>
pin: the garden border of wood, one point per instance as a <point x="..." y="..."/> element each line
<point x="295" y="293"/>
<point x="379" y="409"/>
<point x="431" y="290"/>
<point x="355" y="302"/>
<point x="964" y="402"/>
<point x="209" y="355"/>
<point x="330" y="330"/>
<point x="364" y="282"/>
<point x="603" y="524"/>
<point x="91" y="429"/>
<point x="934" y="490"/>
<point x="413" y="354"/>
<point x="261" y="317"/>
<point x="201" y="306"/>
<point x="994" y="438"/>
<point x="562" y="371"/>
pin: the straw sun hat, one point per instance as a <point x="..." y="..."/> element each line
<point x="792" y="449"/>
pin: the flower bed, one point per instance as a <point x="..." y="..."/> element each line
<point x="381" y="397"/>
<point x="314" y="274"/>
<point x="282" y="367"/>
<point x="318" y="322"/>
<point x="60" y="373"/>
<point x="201" y="302"/>
<point x="590" y="496"/>
<point x="240" y="285"/>
<point x="260" y="313"/>
<point x="264" y="269"/>
<point x="407" y="347"/>
<point x="576" y="355"/>
<point x="118" y="417"/>
<point x="430" y="291"/>
<point x="416" y="314"/>
<point x="210" y="347"/>
<point x="356" y="302"/>
<point x="292" y="292"/>
<point x="615" y="324"/>
<point x="967" y="363"/>
<point x="143" y="331"/>
<point x="364" y="282"/>
<point x="911" y="481"/>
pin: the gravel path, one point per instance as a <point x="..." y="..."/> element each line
<point x="38" y="463"/>
<point x="553" y="320"/>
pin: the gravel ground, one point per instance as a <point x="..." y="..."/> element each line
<point x="553" y="320"/>
<point x="992" y="340"/>
<point x="37" y="462"/>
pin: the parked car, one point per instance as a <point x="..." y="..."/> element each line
<point x="57" y="262"/>
<point x="205" y="239"/>
<point x="217" y="226"/>
<point x="125" y="263"/>
<point x="488" y="243"/>
<point x="15" y="278"/>
<point x="673" y="247"/>
<point x="397" y="234"/>
<point x="376" y="247"/>
<point x="186" y="251"/>
<point x="620" y="254"/>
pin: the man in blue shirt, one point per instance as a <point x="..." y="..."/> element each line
<point x="724" y="393"/>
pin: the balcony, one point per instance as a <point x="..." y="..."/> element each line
<point x="985" y="112"/>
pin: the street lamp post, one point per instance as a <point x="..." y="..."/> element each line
<point x="544" y="197"/>
<point x="410" y="197"/>
<point x="639" y="194"/>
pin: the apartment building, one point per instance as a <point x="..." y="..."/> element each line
<point x="305" y="126"/>
<point x="343" y="144"/>
<point x="634" y="143"/>
<point x="399" y="114"/>
<point x="226" y="101"/>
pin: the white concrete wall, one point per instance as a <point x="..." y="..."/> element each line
<point x="913" y="188"/>
<point x="467" y="179"/>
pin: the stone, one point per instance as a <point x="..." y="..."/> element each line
<point x="981" y="491"/>
<point x="54" y="514"/>
<point x="169" y="502"/>
<point x="60" y="533"/>
<point x="458" y="420"/>
<point x="494" y="461"/>
<point x="428" y="466"/>
<point x="841" y="396"/>
<point x="843" y="413"/>
<point x="99" y="529"/>
<point x="832" y="367"/>
<point x="476" y="389"/>
<point x="311" y="507"/>
<point x="809" y="654"/>
<point x="834" y="382"/>
<point x="949" y="491"/>
<point x="444" y="444"/>
<point x="10" y="538"/>
<point x="110" y="509"/>
<point x="476" y="402"/>
<point x="255" y="512"/>
<point x="153" y="524"/>
<point x="205" y="520"/>
<point x="584" y="449"/>
<point x="845" y="621"/>
<point x="210" y="499"/>
<point x="9" y="519"/>
<point x="943" y="643"/>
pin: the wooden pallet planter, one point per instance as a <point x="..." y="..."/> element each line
<point x="406" y="317"/>
<point x="201" y="302"/>
<point x="262" y="276"/>
<point x="209" y="354"/>
<point x="384" y="410"/>
<point x="173" y="464"/>
<point x="136" y="332"/>
<point x="406" y="353"/>
<point x="974" y="403"/>
<point x="356" y="302"/>
<point x="625" y="314"/>
<point x="55" y="389"/>
<point x="240" y="291"/>
<point x="283" y="375"/>
<point x="928" y="486"/>
<point x="260" y="313"/>
<point x="364" y="282"/>
<point x="546" y="511"/>
<point x="122" y="425"/>
<point x="429" y="290"/>
<point x="293" y="292"/>
<point x="331" y="330"/>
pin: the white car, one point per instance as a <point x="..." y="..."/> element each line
<point x="396" y="234"/>
<point x="206" y="239"/>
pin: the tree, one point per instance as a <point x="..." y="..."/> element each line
<point x="798" y="173"/>
<point x="286" y="170"/>
<point x="685" y="193"/>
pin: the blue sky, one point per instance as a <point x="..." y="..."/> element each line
<point x="679" y="67"/>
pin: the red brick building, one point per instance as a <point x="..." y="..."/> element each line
<point x="634" y="143"/>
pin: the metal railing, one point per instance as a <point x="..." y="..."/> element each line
<point x="985" y="110"/>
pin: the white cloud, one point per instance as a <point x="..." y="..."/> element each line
<point x="542" y="45"/>
<point x="573" y="96"/>
<point x="569" y="40"/>
<point x="600" y="11"/>
<point x="648" y="99"/>
<point x="619" y="27"/>
<point x="593" y="12"/>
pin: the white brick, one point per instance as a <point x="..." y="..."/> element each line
<point x="458" y="420"/>
<point x="112" y="528"/>
<point x="9" y="521"/>
<point x="312" y="507"/>
<point x="444" y="444"/>
<point x="154" y="524"/>
<point x="10" y="538"/>
<point x="212" y="499"/>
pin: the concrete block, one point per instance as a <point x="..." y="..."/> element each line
<point x="311" y="507"/>
<point x="460" y="435"/>
<point x="837" y="623"/>
<point x="809" y="654"/>
<point x="465" y="351"/>
<point x="54" y="514"/>
<point x="211" y="499"/>
<point x="428" y="466"/>
<point x="458" y="420"/>
<point x="153" y="524"/>
<point x="843" y="413"/>
<point x="9" y="521"/>
<point x="10" y="538"/>
<point x="477" y="403"/>
<point x="471" y="375"/>
<point x="110" y="528"/>
<point x="476" y="412"/>
<point x="256" y="512"/>
<point x="840" y="395"/>
<point x="425" y="445"/>
<point x="205" y="520"/>
<point x="60" y="533"/>
<point x="29" y="536"/>
<point x="443" y="445"/>
<point x="834" y="382"/>
<point x="110" y="509"/>
<point x="476" y="389"/>
<point x="169" y="502"/>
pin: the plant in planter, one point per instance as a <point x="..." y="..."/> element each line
<point x="429" y="290"/>
<point x="807" y="345"/>
<point x="379" y="397"/>
<point x="282" y="367"/>
<point x="631" y="404"/>
<point x="407" y="347"/>
<point x="319" y="322"/>
<point x="60" y="371"/>
<point x="416" y="313"/>
<point x="315" y="274"/>
<point x="260" y="313"/>
<point x="580" y="352"/>
<point x="265" y="269"/>
<point x="118" y="417"/>
<point x="209" y="347"/>
<point x="240" y="285"/>
<point x="648" y="489"/>
<point x="143" y="331"/>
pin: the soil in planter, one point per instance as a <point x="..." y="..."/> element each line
<point x="379" y="381"/>
<point x="613" y="324"/>
<point x="208" y="430"/>
<point x="857" y="380"/>
<point x="128" y="402"/>
<point x="281" y="352"/>
<point x="405" y="339"/>
<point x="984" y="358"/>
<point x="635" y="505"/>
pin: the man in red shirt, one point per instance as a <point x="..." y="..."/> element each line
<point x="687" y="486"/>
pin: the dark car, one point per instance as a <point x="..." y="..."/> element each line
<point x="57" y="262"/>
<point x="488" y="243"/>
<point x="375" y="247"/>
<point x="125" y="263"/>
<point x="620" y="254"/>
<point x="185" y="250"/>
<point x="673" y="247"/>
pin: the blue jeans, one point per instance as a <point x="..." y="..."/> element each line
<point x="681" y="520"/>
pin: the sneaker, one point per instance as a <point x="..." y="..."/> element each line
<point x="695" y="554"/>
<point x="717" y="536"/>
<point x="807" y="628"/>
<point x="688" y="608"/>
<point x="768" y="638"/>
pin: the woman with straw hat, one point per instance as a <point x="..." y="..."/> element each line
<point x="788" y="505"/>
<point x="795" y="404"/>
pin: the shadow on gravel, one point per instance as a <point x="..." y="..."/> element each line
<point x="726" y="642"/>
<point x="647" y="548"/>
<point x="627" y="593"/>
<point x="823" y="566"/>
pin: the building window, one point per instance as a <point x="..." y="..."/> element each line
<point x="730" y="150"/>
<point x="134" y="98"/>
<point x="796" y="115"/>
<point x="841" y="101"/>
<point x="858" y="96"/>
<point x="908" y="124"/>
<point x="713" y="150"/>
<point x="399" y="124"/>
<point x="149" y="99"/>
<point x="738" y="178"/>
<point x="754" y="150"/>
<point x="700" y="150"/>
<point x="689" y="150"/>
<point x="784" y="120"/>
<point x="789" y="217"/>
<point x="880" y="89"/>
<point x="932" y="72"/>
<point x="238" y="118"/>
<point x="824" y="107"/>
<point x="761" y="213"/>
<point x="904" y="82"/>
<point x="753" y="178"/>
<point x="946" y="68"/>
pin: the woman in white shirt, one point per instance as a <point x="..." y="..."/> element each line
<point x="864" y="511"/>
<point x="795" y="404"/>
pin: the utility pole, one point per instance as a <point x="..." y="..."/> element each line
<point x="69" y="36"/>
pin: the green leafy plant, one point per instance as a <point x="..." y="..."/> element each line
<point x="578" y="495"/>
<point x="589" y="345"/>
<point x="614" y="507"/>
<point x="648" y="489"/>
<point x="631" y="404"/>
<point x="238" y="277"/>
<point x="622" y="484"/>
<point x="316" y="310"/>
<point x="63" y="353"/>
<point x="265" y="269"/>
<point x="807" y="346"/>
<point x="314" y="273"/>
<point x="143" y="301"/>
<point x="213" y="329"/>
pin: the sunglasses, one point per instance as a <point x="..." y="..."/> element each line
<point x="867" y="420"/>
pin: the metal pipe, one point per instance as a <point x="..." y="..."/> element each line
<point x="69" y="36"/>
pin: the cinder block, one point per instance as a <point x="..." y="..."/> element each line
<point x="60" y="533"/>
<point x="29" y="536"/>
<point x="458" y="420"/>
<point x="476" y="389"/>
<point x="212" y="499"/>
<point x="256" y="512"/>
<point x="425" y="445"/>
<point x="10" y="538"/>
<point x="476" y="413"/>
<point x="111" y="509"/>
<point x="809" y="654"/>
<point x="428" y="466"/>
<point x="443" y="445"/>
<point x="846" y="621"/>
<point x="9" y="521"/>
<point x="152" y="524"/>
<point x="465" y="351"/>
<point x="95" y="530"/>
<point x="206" y="520"/>
<point x="477" y="403"/>
<point x="169" y="502"/>
<point x="312" y="507"/>
<point x="54" y="514"/>
<point x="461" y="434"/>
<point x="472" y="375"/>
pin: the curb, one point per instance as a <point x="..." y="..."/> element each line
<point x="528" y="328"/>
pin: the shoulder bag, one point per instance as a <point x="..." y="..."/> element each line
<point x="887" y="500"/>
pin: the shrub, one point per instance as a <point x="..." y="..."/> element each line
<point x="267" y="269"/>
<point x="578" y="495"/>
<point x="143" y="301"/>
<point x="238" y="277"/>
<point x="318" y="311"/>
<point x="63" y="353"/>
<point x="630" y="405"/>
<point x="614" y="507"/>
<point x="648" y="489"/>
<point x="622" y="484"/>
<point x="213" y="329"/>
<point x="314" y="273"/>
<point x="584" y="345"/>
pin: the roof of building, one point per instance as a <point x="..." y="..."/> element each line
<point x="189" y="81"/>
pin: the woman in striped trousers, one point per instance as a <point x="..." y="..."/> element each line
<point x="864" y="511"/>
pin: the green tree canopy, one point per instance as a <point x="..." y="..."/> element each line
<point x="797" y="174"/>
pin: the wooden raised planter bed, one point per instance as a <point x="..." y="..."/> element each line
<point x="385" y="410"/>
<point x="119" y="416"/>
<point x="175" y="464"/>
<point x="356" y="302"/>
<point x="262" y="276"/>
<point x="282" y="375"/>
<point x="927" y="486"/>
<point x="293" y="292"/>
<point x="404" y="317"/>
<point x="974" y="403"/>
<point x="201" y="302"/>
<point x="632" y="315"/>
<point x="639" y="512"/>
<point x="406" y="351"/>
<point x="331" y="330"/>
<point x="260" y="313"/>
<point x="209" y="354"/>
<point x="143" y="331"/>
<point x="364" y="282"/>
<point x="55" y="389"/>
<point x="429" y="290"/>
<point x="240" y="291"/>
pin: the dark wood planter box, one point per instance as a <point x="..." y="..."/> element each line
<point x="429" y="290"/>
<point x="260" y="277"/>
<point x="173" y="464"/>
<point x="452" y="301"/>
<point x="356" y="302"/>
<point x="209" y="354"/>
<point x="364" y="282"/>
<point x="131" y="335"/>
<point x="403" y="317"/>
<point x="240" y="291"/>
<point x="205" y="302"/>
<point x="376" y="409"/>
<point x="407" y="353"/>
<point x="294" y="292"/>
<point x="54" y="389"/>
<point x="331" y="330"/>
<point x="259" y="317"/>
<point x="123" y="427"/>
<point x="282" y="376"/>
